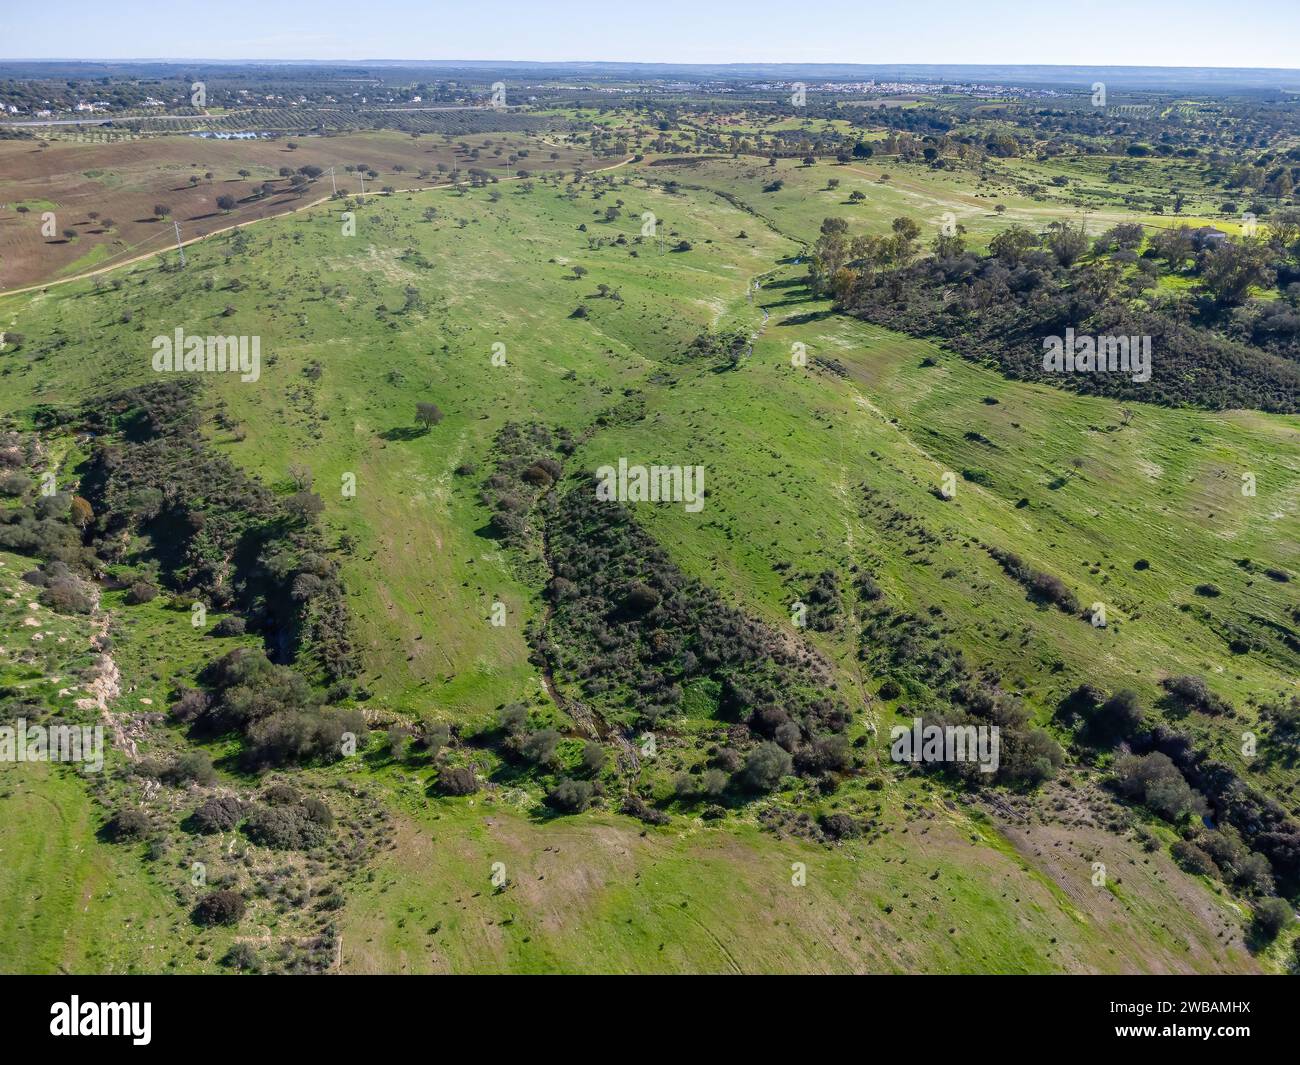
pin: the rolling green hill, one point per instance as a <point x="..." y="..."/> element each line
<point x="535" y="303"/>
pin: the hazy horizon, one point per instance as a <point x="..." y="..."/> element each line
<point x="668" y="64"/>
<point x="677" y="32"/>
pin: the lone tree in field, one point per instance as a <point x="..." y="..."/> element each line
<point x="226" y="203"/>
<point x="427" y="415"/>
<point x="161" y="210"/>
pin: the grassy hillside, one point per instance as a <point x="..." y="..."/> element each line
<point x="833" y="465"/>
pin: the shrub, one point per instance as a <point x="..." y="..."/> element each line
<point x="304" y="507"/>
<point x="298" y="736"/>
<point x="282" y="795"/>
<point x="1193" y="859"/>
<point x="593" y="757"/>
<point x="764" y="768"/>
<point x="728" y="759"/>
<point x="840" y="826"/>
<point x="1271" y="916"/>
<point x="513" y="718"/>
<point x="712" y="783"/>
<point x="1042" y="586"/>
<point x="570" y="796"/>
<point x="230" y="625"/>
<point x="457" y="780"/>
<point x="141" y="592"/>
<point x="68" y="595"/>
<point x="639" y="599"/>
<point x="80" y="512"/>
<point x="427" y="414"/>
<point x="1116" y="719"/>
<point x="284" y="828"/>
<point x="635" y="806"/>
<point x="1192" y="693"/>
<point x="127" y="825"/>
<point x="220" y="813"/>
<point x="317" y="812"/>
<point x="1226" y="850"/>
<point x="241" y="956"/>
<point x="826" y="753"/>
<point x="191" y="705"/>
<point x="1254" y="874"/>
<point x="193" y="766"/>
<point x="219" y="907"/>
<point x="1154" y="780"/>
<point x="539" y="747"/>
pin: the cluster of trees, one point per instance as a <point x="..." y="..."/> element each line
<point x="272" y="707"/>
<point x="1045" y="587"/>
<point x="533" y="748"/>
<point x="939" y="686"/>
<point x="216" y="535"/>
<point x="38" y="525"/>
<point x="281" y="717"/>
<point x="1255" y="845"/>
<point x="1214" y="349"/>
<point x="286" y="820"/>
<point x="634" y="633"/>
<point x="528" y="462"/>
<point x="724" y="350"/>
<point x="823" y="603"/>
<point x="835" y="254"/>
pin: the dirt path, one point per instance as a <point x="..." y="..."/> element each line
<point x="106" y="686"/>
<point x="968" y="199"/>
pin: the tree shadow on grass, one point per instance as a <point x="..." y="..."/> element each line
<point x="404" y="432"/>
<point x="806" y="318"/>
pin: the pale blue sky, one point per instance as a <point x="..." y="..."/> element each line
<point x="1262" y="33"/>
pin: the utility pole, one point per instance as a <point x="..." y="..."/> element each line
<point x="179" y="246"/>
<point x="333" y="185"/>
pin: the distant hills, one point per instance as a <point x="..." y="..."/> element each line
<point x="1217" y="79"/>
